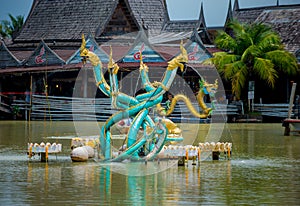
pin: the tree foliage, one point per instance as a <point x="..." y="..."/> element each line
<point x="251" y="50"/>
<point x="9" y="28"/>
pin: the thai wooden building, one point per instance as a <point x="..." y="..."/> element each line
<point x="284" y="19"/>
<point x="44" y="56"/>
<point x="45" y="49"/>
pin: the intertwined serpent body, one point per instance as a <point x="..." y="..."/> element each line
<point x="137" y="107"/>
<point x="205" y="89"/>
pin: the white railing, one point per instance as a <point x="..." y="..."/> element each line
<point x="69" y="108"/>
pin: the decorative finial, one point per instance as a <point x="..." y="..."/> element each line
<point x="141" y="57"/>
<point x="83" y="44"/>
<point x="111" y="61"/>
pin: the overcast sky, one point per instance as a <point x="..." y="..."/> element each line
<point x="214" y="10"/>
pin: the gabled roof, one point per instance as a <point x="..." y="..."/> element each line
<point x="286" y="23"/>
<point x="284" y="19"/>
<point x="202" y="29"/>
<point x="68" y="19"/>
<point x="142" y="45"/>
<point x="202" y="23"/>
<point x="150" y="14"/>
<point x="236" y="5"/>
<point x="120" y="21"/>
<point x="92" y="45"/>
<point x="249" y="15"/>
<point x="169" y="37"/>
<point x="43" y="56"/>
<point x="197" y="52"/>
<point x="229" y="15"/>
<point x="189" y="25"/>
<point x="180" y="25"/>
<point x="7" y="59"/>
<point x="65" y="20"/>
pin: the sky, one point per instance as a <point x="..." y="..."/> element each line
<point x="215" y="11"/>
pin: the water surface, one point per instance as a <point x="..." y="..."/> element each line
<point x="264" y="170"/>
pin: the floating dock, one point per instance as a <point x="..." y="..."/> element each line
<point x="43" y="150"/>
<point x="190" y="152"/>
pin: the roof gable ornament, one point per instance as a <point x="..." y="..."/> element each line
<point x="236" y="5"/>
<point x="167" y="16"/>
<point x="142" y="46"/>
<point x="7" y="59"/>
<point x="197" y="52"/>
<point x="120" y="21"/>
<point x="202" y="29"/>
<point x="202" y="23"/>
<point x="229" y="16"/>
<point x="43" y="56"/>
<point x="91" y="45"/>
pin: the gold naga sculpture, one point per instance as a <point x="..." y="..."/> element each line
<point x="205" y="88"/>
<point x="138" y="107"/>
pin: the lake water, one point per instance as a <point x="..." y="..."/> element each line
<point x="264" y="170"/>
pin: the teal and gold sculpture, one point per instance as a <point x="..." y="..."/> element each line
<point x="156" y="132"/>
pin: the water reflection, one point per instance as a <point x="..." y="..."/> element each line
<point x="264" y="169"/>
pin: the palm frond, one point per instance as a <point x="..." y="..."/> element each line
<point x="252" y="49"/>
<point x="208" y="61"/>
<point x="6" y="28"/>
<point x="220" y="59"/>
<point x="236" y="26"/>
<point x="12" y="26"/>
<point x="231" y="69"/>
<point x="225" y="42"/>
<point x="283" y="61"/>
<point x="250" y="53"/>
<point x="238" y="81"/>
<point x="258" y="31"/>
<point x="2" y="32"/>
<point x="264" y="68"/>
<point x="269" y="42"/>
<point x="13" y="21"/>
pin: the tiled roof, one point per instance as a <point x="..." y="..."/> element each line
<point x="43" y="56"/>
<point x="283" y="19"/>
<point x="150" y="14"/>
<point x="181" y="25"/>
<point x="247" y="15"/>
<point x="67" y="19"/>
<point x="91" y="45"/>
<point x="189" y="26"/>
<point x="142" y="45"/>
<point x="7" y="59"/>
<point x="286" y="23"/>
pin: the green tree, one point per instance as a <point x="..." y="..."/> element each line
<point x="251" y="50"/>
<point x="10" y="28"/>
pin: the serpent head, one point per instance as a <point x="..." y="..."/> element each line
<point x="210" y="89"/>
<point x="83" y="50"/>
<point x="183" y="57"/>
<point x="180" y="60"/>
<point x="112" y="66"/>
<point x="87" y="55"/>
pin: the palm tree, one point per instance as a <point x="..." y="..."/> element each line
<point x="252" y="50"/>
<point x="12" y="27"/>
